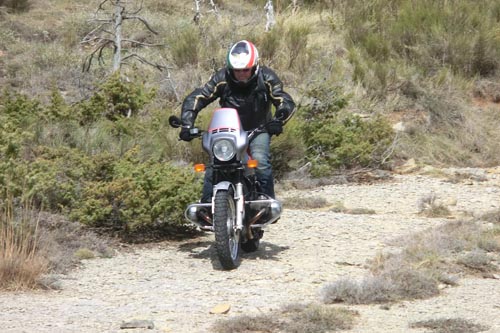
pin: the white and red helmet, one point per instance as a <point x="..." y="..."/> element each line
<point x="242" y="55"/>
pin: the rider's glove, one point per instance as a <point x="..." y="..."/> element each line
<point x="185" y="134"/>
<point x="275" y="127"/>
<point x="282" y="114"/>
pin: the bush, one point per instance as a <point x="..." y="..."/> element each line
<point x="116" y="98"/>
<point x="140" y="195"/>
<point x="296" y="38"/>
<point x="55" y="177"/>
<point x="185" y="46"/>
<point x="292" y="318"/>
<point x="18" y="115"/>
<point x="287" y="149"/>
<point x="338" y="139"/>
<point x="456" y="325"/>
<point x="269" y="43"/>
<point x="16" y="6"/>
<point x="430" y="34"/>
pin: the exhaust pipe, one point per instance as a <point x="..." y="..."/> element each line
<point x="272" y="207"/>
<point x="197" y="214"/>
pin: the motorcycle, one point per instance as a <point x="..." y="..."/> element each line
<point x="239" y="210"/>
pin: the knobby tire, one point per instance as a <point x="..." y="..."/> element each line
<point x="227" y="240"/>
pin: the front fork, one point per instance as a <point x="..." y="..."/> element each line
<point x="194" y="211"/>
<point x="239" y="198"/>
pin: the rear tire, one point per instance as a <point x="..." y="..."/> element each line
<point x="252" y="245"/>
<point x="227" y="237"/>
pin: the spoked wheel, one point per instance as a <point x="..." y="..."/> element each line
<point x="227" y="237"/>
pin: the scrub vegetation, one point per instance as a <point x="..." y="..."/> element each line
<point x="95" y="148"/>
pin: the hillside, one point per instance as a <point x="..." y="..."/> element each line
<point x="430" y="70"/>
<point x="388" y="170"/>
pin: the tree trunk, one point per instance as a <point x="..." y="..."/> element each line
<point x="118" y="37"/>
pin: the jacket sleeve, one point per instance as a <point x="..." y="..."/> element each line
<point x="201" y="97"/>
<point x="280" y="99"/>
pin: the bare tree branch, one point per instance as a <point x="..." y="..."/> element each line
<point x="109" y="33"/>
<point x="168" y="78"/>
<point x="101" y="6"/>
<point x="98" y="51"/>
<point x="142" y="20"/>
<point x="144" y="61"/>
<point x="139" y="9"/>
<point x="136" y="42"/>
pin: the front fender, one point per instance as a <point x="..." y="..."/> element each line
<point x="239" y="200"/>
<point x="224" y="185"/>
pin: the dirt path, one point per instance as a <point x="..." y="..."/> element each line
<point x="175" y="285"/>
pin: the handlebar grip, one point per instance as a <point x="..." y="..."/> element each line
<point x="174" y="121"/>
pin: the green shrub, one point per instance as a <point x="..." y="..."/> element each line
<point x="55" y="177"/>
<point x="429" y="34"/>
<point x="17" y="111"/>
<point x="116" y="98"/>
<point x="57" y="109"/>
<point x="18" y="115"/>
<point x="268" y="43"/>
<point x="338" y="139"/>
<point x="296" y="38"/>
<point x="287" y="149"/>
<point x="140" y="195"/>
<point x="185" y="46"/>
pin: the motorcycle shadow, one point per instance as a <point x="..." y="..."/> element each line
<point x="206" y="250"/>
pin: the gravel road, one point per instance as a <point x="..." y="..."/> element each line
<point x="175" y="285"/>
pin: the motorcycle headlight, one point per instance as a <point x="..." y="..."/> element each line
<point x="224" y="150"/>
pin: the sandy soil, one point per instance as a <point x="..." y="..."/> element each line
<point x="175" y="285"/>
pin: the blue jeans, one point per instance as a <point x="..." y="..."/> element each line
<point x="260" y="150"/>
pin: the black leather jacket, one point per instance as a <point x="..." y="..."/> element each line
<point x="252" y="100"/>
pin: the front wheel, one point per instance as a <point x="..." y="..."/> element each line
<point x="227" y="236"/>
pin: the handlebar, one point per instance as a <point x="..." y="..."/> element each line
<point x="175" y="122"/>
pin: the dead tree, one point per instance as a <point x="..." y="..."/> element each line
<point x="109" y="17"/>
<point x="270" y="20"/>
<point x="197" y="10"/>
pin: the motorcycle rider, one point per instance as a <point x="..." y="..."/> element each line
<point x="250" y="89"/>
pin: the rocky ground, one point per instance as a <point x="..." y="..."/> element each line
<point x="174" y="286"/>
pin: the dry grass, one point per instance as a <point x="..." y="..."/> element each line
<point x="427" y="259"/>
<point x="67" y="243"/>
<point x="477" y="260"/>
<point x="34" y="245"/>
<point x="338" y="207"/>
<point x="313" y="202"/>
<point x="394" y="285"/>
<point x="430" y="206"/>
<point x="360" y="211"/>
<point x="84" y="253"/>
<point x="293" y="318"/>
<point x="450" y="325"/>
<point x="21" y="262"/>
<point x="492" y="216"/>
